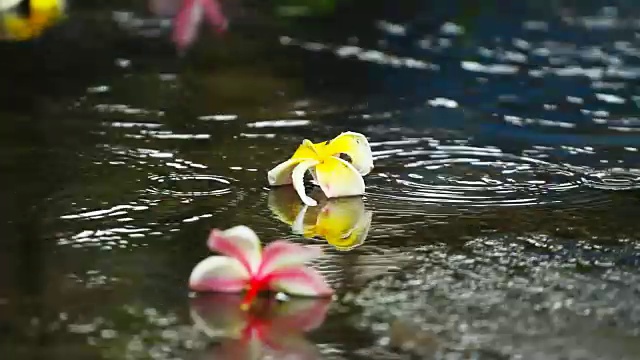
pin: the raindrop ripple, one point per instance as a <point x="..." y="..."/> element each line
<point x="190" y="185"/>
<point x="470" y="177"/>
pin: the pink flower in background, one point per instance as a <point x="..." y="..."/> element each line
<point x="244" y="266"/>
<point x="190" y="14"/>
<point x="271" y="328"/>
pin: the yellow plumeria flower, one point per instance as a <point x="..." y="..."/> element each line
<point x="42" y="14"/>
<point x="337" y="166"/>
<point x="343" y="223"/>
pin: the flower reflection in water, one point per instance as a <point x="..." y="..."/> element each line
<point x="270" y="329"/>
<point x="342" y="222"/>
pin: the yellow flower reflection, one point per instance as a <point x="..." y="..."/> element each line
<point x="26" y="19"/>
<point x="337" y="166"/>
<point x="342" y="222"/>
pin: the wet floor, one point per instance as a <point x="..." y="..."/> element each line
<point x="500" y="221"/>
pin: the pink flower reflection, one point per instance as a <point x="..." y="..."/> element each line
<point x="270" y="328"/>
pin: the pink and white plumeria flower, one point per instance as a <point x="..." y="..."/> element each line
<point x="243" y="265"/>
<point x="190" y="15"/>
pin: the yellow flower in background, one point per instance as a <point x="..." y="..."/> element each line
<point x="17" y="23"/>
<point x="343" y="223"/>
<point x="336" y="165"/>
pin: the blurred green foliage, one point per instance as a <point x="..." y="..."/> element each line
<point x="295" y="8"/>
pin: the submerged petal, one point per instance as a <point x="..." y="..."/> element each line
<point x="356" y="147"/>
<point x="300" y="281"/>
<point x="219" y="274"/>
<point x="281" y="254"/>
<point x="281" y="174"/>
<point x="238" y="242"/>
<point x="298" y="180"/>
<point x="338" y="178"/>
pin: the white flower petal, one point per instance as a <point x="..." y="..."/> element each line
<point x="281" y="174"/>
<point x="282" y="254"/>
<point x="239" y="242"/>
<point x="300" y="281"/>
<point x="298" y="181"/>
<point x="218" y="274"/>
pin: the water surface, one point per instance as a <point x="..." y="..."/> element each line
<point x="499" y="221"/>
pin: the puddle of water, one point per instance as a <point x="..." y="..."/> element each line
<point x="498" y="221"/>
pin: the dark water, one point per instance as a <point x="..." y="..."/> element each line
<point x="500" y="221"/>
